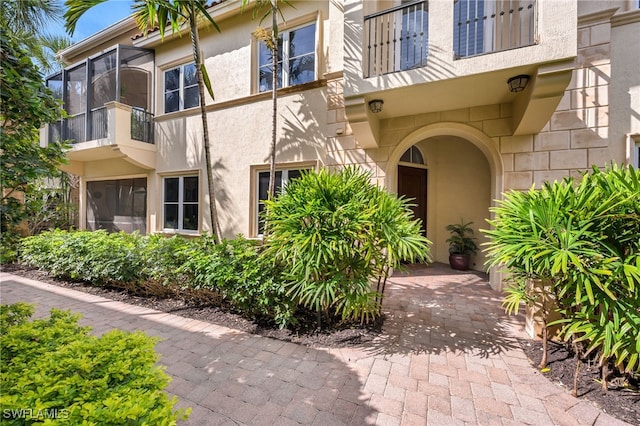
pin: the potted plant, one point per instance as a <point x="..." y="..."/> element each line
<point x="462" y="244"/>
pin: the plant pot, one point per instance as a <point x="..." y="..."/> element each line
<point x="459" y="262"/>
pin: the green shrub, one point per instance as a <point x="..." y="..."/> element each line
<point x="9" y="244"/>
<point x="247" y="280"/>
<point x="54" y="367"/>
<point x="97" y="256"/>
<point x="336" y="234"/>
<point x="583" y="240"/>
<point x="162" y="258"/>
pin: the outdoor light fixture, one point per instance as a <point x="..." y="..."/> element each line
<point x="376" y="105"/>
<point x="518" y="83"/>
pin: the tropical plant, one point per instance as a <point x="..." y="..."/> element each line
<point x="175" y="15"/>
<point x="462" y="240"/>
<point x="270" y="9"/>
<point x="26" y="21"/>
<point x="581" y="240"/>
<point x="336" y="234"/>
<point x="25" y="105"/>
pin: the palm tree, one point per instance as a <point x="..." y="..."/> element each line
<point x="270" y="9"/>
<point x="51" y="44"/>
<point x="25" y="20"/>
<point x="175" y="15"/>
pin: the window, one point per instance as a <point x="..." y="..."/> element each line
<point x="412" y="155"/>
<point x="181" y="88"/>
<point x="180" y="203"/>
<point x="296" y="59"/>
<point x="283" y="177"/>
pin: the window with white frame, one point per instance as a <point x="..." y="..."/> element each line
<point x="637" y="155"/>
<point x="181" y="88"/>
<point x="283" y="177"/>
<point x="296" y="59"/>
<point x="180" y="203"/>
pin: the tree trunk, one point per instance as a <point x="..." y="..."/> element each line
<point x="274" y="98"/>
<point x="576" y="349"/>
<point x="545" y="333"/>
<point x="575" y="377"/>
<point x="195" y="41"/>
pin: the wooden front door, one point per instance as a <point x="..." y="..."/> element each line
<point x="412" y="183"/>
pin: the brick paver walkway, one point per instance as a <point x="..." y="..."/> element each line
<point x="448" y="357"/>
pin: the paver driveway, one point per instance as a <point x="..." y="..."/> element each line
<point x="448" y="356"/>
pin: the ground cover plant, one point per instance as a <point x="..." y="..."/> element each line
<point x="581" y="240"/>
<point x="52" y="369"/>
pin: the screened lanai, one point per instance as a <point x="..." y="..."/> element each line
<point x="123" y="74"/>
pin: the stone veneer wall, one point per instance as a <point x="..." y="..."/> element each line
<point x="576" y="137"/>
<point x="342" y="146"/>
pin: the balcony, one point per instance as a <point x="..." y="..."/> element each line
<point x="397" y="39"/>
<point x="117" y="131"/>
<point x="482" y="27"/>
<point x="74" y="128"/>
<point x="107" y="99"/>
<point x="430" y="56"/>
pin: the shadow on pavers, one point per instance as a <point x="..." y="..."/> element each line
<point x="434" y="309"/>
<point x="226" y="376"/>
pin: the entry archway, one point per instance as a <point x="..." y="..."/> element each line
<point x="465" y="176"/>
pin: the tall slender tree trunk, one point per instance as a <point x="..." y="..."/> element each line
<point x="195" y="41"/>
<point x="274" y="98"/>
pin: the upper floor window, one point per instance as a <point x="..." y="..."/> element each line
<point x="180" y="203"/>
<point x="296" y="59"/>
<point x="181" y="88"/>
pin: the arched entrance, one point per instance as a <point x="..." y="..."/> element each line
<point x="464" y="176"/>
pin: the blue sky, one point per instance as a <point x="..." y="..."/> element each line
<point x="97" y="18"/>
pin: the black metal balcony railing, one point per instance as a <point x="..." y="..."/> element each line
<point x="492" y="25"/>
<point x="141" y="125"/>
<point x="397" y="39"/>
<point x="99" y="121"/>
<point x="74" y="128"/>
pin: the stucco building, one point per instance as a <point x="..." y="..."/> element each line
<point x="451" y="102"/>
